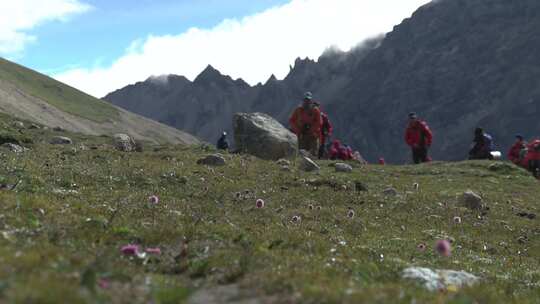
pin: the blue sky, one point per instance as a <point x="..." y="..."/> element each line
<point x="99" y="46"/>
<point x="102" y="34"/>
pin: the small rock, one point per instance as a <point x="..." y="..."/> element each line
<point x="435" y="280"/>
<point x="341" y="167"/>
<point x="283" y="162"/>
<point x="58" y="129"/>
<point x="14" y="148"/>
<point x="390" y="192"/>
<point x="360" y="187"/>
<point x="471" y="200"/>
<point x="124" y="142"/>
<point x="65" y="192"/>
<point x="308" y="165"/>
<point x="34" y="126"/>
<point x="18" y="124"/>
<point x="61" y="140"/>
<point x="212" y="160"/>
<point x="286" y="168"/>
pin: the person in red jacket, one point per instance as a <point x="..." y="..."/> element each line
<point x="514" y="155"/>
<point x="306" y="123"/>
<point x="532" y="158"/>
<point x="419" y="137"/>
<point x="326" y="131"/>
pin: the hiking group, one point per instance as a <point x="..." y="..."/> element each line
<point x="314" y="130"/>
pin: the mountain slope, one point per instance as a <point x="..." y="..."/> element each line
<point x="458" y="63"/>
<point x="32" y="96"/>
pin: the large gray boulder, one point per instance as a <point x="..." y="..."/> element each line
<point x="261" y="135"/>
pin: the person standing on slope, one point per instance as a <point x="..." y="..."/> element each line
<point x="326" y="131"/>
<point x="306" y="123"/>
<point x="223" y="143"/>
<point x="482" y="145"/>
<point x="515" y="155"/>
<point x="419" y="137"/>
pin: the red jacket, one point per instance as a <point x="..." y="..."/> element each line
<point x="515" y="150"/>
<point x="338" y="151"/>
<point x="533" y="152"/>
<point x="418" y="134"/>
<point x="326" y="127"/>
<point x="306" y="121"/>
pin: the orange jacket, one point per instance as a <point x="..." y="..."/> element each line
<point x="306" y="121"/>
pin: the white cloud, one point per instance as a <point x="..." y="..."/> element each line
<point x="20" y="16"/>
<point x="252" y="48"/>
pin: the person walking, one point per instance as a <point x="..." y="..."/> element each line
<point x="482" y="145"/>
<point x="306" y="122"/>
<point x="419" y="137"/>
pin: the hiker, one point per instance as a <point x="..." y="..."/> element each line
<point x="532" y="157"/>
<point x="482" y="145"/>
<point x="419" y="137"/>
<point x="223" y="143"/>
<point x="326" y="131"/>
<point x="306" y="123"/>
<point x="515" y="155"/>
<point x="339" y="151"/>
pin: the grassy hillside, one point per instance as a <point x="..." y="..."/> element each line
<point x="62" y="227"/>
<point x="56" y="93"/>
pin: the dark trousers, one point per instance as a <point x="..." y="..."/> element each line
<point x="534" y="167"/>
<point x="420" y="155"/>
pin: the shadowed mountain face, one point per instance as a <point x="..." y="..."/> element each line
<point x="458" y="63"/>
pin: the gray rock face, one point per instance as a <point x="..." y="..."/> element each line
<point x="345" y="168"/>
<point x="14" y="148"/>
<point x="212" y="160"/>
<point x="61" y="140"/>
<point x="435" y="280"/>
<point x="308" y="165"/>
<point x="260" y="135"/>
<point x="124" y="142"/>
<point x="471" y="200"/>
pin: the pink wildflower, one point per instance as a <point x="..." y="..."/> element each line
<point x="104" y="284"/>
<point x="443" y="248"/>
<point x="421" y="247"/>
<point x="259" y="204"/>
<point x="310" y="207"/>
<point x="130" y="249"/>
<point x="350" y="214"/>
<point x="153" y="199"/>
<point x="296" y="219"/>
<point x="457" y="220"/>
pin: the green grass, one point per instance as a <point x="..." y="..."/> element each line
<point x="61" y="248"/>
<point x="57" y="94"/>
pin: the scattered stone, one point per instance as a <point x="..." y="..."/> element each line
<point x="435" y="280"/>
<point x="58" y="129"/>
<point x="34" y="126"/>
<point x="471" y="200"/>
<point x="283" y="162"/>
<point x="14" y="148"/>
<point x="61" y="140"/>
<point x="360" y="187"/>
<point x="261" y="135"/>
<point x="65" y="192"/>
<point x="530" y="216"/>
<point x="390" y="192"/>
<point x="18" y="124"/>
<point x="286" y="168"/>
<point x="341" y="167"/>
<point x="308" y="165"/>
<point x="124" y="142"/>
<point x="212" y="160"/>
